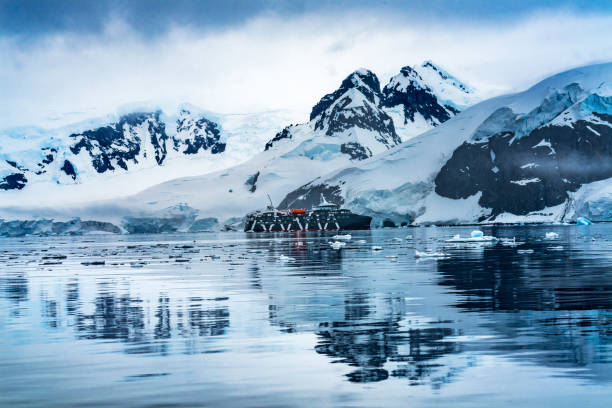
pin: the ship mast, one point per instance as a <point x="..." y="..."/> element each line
<point x="271" y="206"/>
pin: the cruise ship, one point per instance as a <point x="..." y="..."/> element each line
<point x="325" y="216"/>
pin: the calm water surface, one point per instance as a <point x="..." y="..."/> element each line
<point x="256" y="320"/>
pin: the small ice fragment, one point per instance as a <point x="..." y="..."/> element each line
<point x="420" y="254"/>
<point x="345" y="237"/>
<point x="376" y="248"/>
<point x="525" y="251"/>
<point x="391" y="256"/>
<point x="511" y="242"/>
<point x="361" y="241"/>
<point x="284" y="258"/>
<point x="583" y="221"/>
<point x="397" y="239"/>
<point x="477" y="236"/>
<point x="555" y="248"/>
<point x="337" y="244"/>
<point x="408" y="237"/>
<point x="552" y="235"/>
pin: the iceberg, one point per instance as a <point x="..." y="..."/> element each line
<point x="551" y="235"/>
<point x="476" y="236"/>
<point x="583" y="221"/>
<point x="337" y="245"/>
<point x="345" y="237"/>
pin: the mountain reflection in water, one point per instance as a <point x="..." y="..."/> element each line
<point x="248" y="307"/>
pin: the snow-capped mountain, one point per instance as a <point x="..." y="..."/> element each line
<point x="351" y="124"/>
<point x="539" y="155"/>
<point x="124" y="153"/>
<point x="346" y="125"/>
<point x="422" y="97"/>
<point x="135" y="140"/>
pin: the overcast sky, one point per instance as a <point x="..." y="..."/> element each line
<point x="76" y="58"/>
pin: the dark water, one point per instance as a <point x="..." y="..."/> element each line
<point x="226" y="320"/>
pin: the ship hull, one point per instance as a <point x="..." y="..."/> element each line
<point x="304" y="222"/>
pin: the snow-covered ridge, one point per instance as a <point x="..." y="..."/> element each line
<point x="347" y="125"/>
<point x="507" y="155"/>
<point x="122" y="153"/>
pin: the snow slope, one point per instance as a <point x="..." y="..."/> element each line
<point x="558" y="134"/>
<point x="126" y="152"/>
<point x="346" y="126"/>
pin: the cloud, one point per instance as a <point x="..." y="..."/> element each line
<point x="273" y="62"/>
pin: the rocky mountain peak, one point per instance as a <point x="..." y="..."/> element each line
<point x="362" y="80"/>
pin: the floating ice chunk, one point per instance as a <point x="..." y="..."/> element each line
<point x="285" y="258"/>
<point x="583" y="221"/>
<point x="391" y="256"/>
<point x="345" y="237"/>
<point x="477" y="236"/>
<point x="420" y="254"/>
<point x="408" y="237"/>
<point x="337" y="244"/>
<point x="551" y="235"/>
<point x="361" y="241"/>
<point x="376" y="248"/>
<point x="525" y="251"/>
<point x="397" y="239"/>
<point x="511" y="242"/>
<point x="555" y="248"/>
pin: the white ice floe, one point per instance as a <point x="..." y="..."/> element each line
<point x="476" y="236"/>
<point x="361" y="241"/>
<point x="397" y="239"/>
<point x="376" y="248"/>
<point x="408" y="237"/>
<point x="285" y="258"/>
<point x="551" y="235"/>
<point x="525" y="251"/>
<point x="555" y="248"/>
<point x="337" y="244"/>
<point x="420" y="254"/>
<point x="510" y="242"/>
<point x="344" y="237"/>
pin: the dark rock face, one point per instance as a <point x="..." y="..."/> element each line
<point x="414" y="97"/>
<point x="205" y="135"/>
<point x="368" y="117"/>
<point x="335" y="113"/>
<point x="283" y="134"/>
<point x="15" y="181"/>
<point x="118" y="144"/>
<point x="364" y="81"/>
<point x="309" y="195"/>
<point x="355" y="150"/>
<point x="521" y="175"/>
<point x="251" y="182"/>
<point x="121" y="145"/>
<point x="68" y="168"/>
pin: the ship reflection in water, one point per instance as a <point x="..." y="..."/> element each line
<point x="284" y="320"/>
